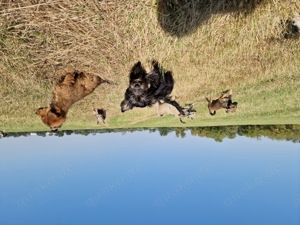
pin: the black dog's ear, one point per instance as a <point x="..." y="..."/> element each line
<point x="137" y="71"/>
<point x="137" y="68"/>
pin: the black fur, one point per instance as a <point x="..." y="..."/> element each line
<point x="145" y="89"/>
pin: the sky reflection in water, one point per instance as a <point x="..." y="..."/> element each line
<point x="144" y="178"/>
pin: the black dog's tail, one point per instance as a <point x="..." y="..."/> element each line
<point x="137" y="71"/>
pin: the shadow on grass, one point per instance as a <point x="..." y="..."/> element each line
<point x="182" y="17"/>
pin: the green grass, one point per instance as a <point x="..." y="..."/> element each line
<point x="210" y="47"/>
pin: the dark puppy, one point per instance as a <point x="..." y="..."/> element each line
<point x="145" y="89"/>
<point x="100" y="115"/>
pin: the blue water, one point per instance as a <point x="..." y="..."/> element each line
<point x="144" y="178"/>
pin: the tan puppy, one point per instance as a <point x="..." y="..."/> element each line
<point x="163" y="108"/>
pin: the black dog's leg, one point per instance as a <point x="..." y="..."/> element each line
<point x="181" y="120"/>
<point x="175" y="104"/>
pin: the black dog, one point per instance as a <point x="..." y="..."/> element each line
<point x="145" y="89"/>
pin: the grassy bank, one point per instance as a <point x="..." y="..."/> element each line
<point x="210" y="47"/>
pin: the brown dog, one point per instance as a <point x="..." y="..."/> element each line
<point x="73" y="87"/>
<point x="224" y="101"/>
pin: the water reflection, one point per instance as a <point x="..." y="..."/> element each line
<point x="152" y="176"/>
<point x="288" y="132"/>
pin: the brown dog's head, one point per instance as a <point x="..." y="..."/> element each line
<point x="52" y="117"/>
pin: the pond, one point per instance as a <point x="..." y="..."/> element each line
<point x="217" y="175"/>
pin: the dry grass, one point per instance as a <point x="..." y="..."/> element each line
<point x="210" y="47"/>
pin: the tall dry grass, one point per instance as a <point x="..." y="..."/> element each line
<point x="209" y="45"/>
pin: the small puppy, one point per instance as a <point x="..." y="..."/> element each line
<point x="100" y="115"/>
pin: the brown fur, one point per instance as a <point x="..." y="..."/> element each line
<point x="73" y="87"/>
